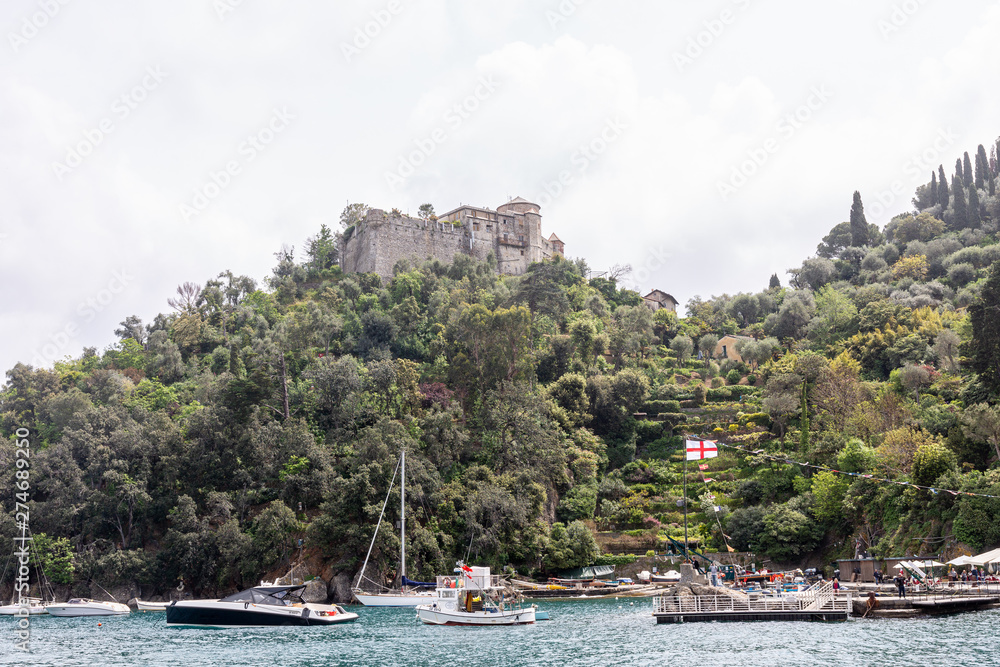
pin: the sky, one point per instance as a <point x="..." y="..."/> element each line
<point x="706" y="144"/>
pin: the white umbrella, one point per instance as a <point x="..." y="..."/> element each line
<point x="961" y="560"/>
<point x="984" y="558"/>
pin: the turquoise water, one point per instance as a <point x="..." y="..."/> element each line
<point x="593" y="632"/>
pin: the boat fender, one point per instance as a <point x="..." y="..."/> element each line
<point x="305" y="613"/>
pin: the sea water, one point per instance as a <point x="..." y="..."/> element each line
<point x="580" y="632"/>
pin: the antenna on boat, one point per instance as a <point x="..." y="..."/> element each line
<point x="402" y="518"/>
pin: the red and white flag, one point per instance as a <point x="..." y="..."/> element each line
<point x="702" y="466"/>
<point x="701" y="449"/>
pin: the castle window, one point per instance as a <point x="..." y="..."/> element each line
<point x="522" y="253"/>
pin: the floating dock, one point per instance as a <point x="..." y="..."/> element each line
<point x="820" y="604"/>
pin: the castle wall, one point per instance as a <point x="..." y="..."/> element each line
<point x="512" y="234"/>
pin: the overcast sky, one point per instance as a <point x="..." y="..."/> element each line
<point x="708" y="144"/>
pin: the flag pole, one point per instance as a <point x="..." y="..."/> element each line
<point x="686" y="557"/>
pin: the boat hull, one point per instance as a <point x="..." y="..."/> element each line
<point x="436" y="615"/>
<point x="208" y="613"/>
<point x="68" y="610"/>
<point x="142" y="605"/>
<point x="391" y="600"/>
<point x="15" y="610"/>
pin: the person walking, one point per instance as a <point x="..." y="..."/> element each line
<point x="714" y="571"/>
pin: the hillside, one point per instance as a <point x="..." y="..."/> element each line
<point x="541" y="414"/>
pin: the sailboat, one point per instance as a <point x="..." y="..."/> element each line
<point x="410" y="593"/>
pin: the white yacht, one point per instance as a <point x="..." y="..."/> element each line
<point x="87" y="607"/>
<point x="475" y="597"/>
<point x="144" y="605"/>
<point x="34" y="606"/>
<point x="256" y="607"/>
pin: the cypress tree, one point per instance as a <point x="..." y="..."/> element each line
<point x="974" y="217"/>
<point x="958" y="168"/>
<point x="774" y="282"/>
<point x="985" y="319"/>
<point x="961" y="218"/>
<point x="859" y="225"/>
<point x="967" y="169"/>
<point x="982" y="167"/>
<point x="942" y="189"/>
<point x="934" y="192"/>
<point x="804" y="422"/>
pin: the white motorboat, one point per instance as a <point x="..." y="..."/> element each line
<point x="475" y="597"/>
<point x="410" y="593"/>
<point x="33" y="605"/>
<point x="256" y="607"/>
<point x="87" y="607"/>
<point x="143" y="605"/>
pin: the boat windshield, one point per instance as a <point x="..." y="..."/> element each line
<point x="279" y="596"/>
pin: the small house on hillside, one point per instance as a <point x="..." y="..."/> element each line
<point x="726" y="347"/>
<point x="658" y="299"/>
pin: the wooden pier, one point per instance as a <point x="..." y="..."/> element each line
<point x="817" y="604"/>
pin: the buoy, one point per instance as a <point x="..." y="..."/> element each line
<point x="98" y="625"/>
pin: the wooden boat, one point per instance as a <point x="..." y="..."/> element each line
<point x="475" y="597"/>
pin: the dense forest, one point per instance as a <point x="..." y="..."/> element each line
<point x="543" y="415"/>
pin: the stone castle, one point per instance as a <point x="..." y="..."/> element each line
<point x="512" y="234"/>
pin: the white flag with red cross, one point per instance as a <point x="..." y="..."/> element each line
<point x="701" y="449"/>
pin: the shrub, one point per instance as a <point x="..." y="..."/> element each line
<point x="733" y="377"/>
<point x="656" y="407"/>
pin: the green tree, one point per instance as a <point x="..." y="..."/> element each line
<point x="353" y="214"/>
<point x="984" y="317"/>
<point x="930" y="461"/>
<point x="570" y="546"/>
<point x="774" y="283"/>
<point x="960" y="217"/>
<point x="426" y="211"/>
<point x="682" y="346"/>
<point x="829" y="489"/>
<point x="975" y="219"/>
<point x="321" y="250"/>
<point x="942" y="189"/>
<point x="859" y="224"/>
<point x="967" y="174"/>
<point x="55" y="554"/>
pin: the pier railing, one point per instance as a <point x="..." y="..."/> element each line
<point x="820" y="600"/>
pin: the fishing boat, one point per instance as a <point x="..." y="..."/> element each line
<point x="87" y="607"/>
<point x="33" y="605"/>
<point x="260" y="606"/>
<point x="409" y="593"/>
<point x="143" y="605"/>
<point x="475" y="597"/>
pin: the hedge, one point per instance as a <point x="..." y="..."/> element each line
<point x="656" y="407"/>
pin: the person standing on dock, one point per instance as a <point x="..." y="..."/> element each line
<point x="901" y="584"/>
<point x="714" y="571"/>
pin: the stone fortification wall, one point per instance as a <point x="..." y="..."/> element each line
<point x="512" y="236"/>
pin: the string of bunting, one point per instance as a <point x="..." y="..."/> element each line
<point x="933" y="490"/>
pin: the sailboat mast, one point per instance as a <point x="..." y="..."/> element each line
<point x="402" y="517"/>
